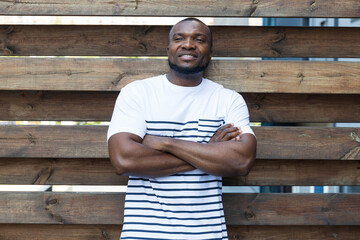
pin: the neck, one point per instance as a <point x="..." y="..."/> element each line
<point x="185" y="80"/>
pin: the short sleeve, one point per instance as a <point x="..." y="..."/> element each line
<point x="238" y="113"/>
<point x="128" y="114"/>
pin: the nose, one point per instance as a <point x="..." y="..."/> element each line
<point x="188" y="43"/>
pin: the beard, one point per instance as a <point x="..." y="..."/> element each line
<point x="184" y="70"/>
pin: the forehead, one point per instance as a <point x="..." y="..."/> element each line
<point x="190" y="28"/>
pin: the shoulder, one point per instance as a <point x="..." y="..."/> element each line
<point x="221" y="90"/>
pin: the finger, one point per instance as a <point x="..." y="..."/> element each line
<point x="219" y="131"/>
<point x="227" y="134"/>
<point x="231" y="135"/>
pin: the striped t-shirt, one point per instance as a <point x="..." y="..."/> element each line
<point x="185" y="205"/>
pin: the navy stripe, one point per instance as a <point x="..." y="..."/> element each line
<point x="202" y="125"/>
<point x="212" y="120"/>
<point x="178" y="130"/>
<point x="191" y="174"/>
<point x="191" y="136"/>
<point x="137" y="238"/>
<point x="207" y="131"/>
<point x="164" y="232"/>
<point x="173" y="204"/>
<point x="179" y="197"/>
<point x="174" y="182"/>
<point x="169" y="129"/>
<point x="172" y="225"/>
<point x="174" y="218"/>
<point x="169" y="122"/>
<point x="169" y="211"/>
<point x="172" y="189"/>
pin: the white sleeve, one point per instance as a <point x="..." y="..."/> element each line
<point x="128" y="114"/>
<point x="239" y="114"/>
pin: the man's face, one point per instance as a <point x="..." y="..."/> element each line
<point x="189" y="49"/>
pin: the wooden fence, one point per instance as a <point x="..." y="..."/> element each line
<point x="85" y="89"/>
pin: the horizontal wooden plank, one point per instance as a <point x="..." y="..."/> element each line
<point x="60" y="232"/>
<point x="227" y="8"/>
<point x="90" y="142"/>
<point x="280" y="108"/>
<point x="100" y="172"/>
<point x="111" y="74"/>
<point x="238" y="41"/>
<point x="293" y="232"/>
<point x="240" y="209"/>
<point x="112" y="232"/>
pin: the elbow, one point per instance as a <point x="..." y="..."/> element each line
<point x="246" y="165"/>
<point x="123" y="165"/>
<point x="118" y="164"/>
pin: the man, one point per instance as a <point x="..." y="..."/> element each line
<point x="175" y="135"/>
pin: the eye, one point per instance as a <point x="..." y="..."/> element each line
<point x="178" y="38"/>
<point x="200" y="40"/>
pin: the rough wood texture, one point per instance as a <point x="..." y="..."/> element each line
<point x="293" y="232"/>
<point x="59" y="232"/>
<point x="100" y="172"/>
<point x="58" y="106"/>
<point x="112" y="232"/>
<point x="241" y="41"/>
<point x="225" y="8"/>
<point x="111" y="74"/>
<point x="240" y="209"/>
<point x="90" y="142"/>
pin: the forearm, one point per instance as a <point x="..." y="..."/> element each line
<point x="228" y="158"/>
<point x="135" y="159"/>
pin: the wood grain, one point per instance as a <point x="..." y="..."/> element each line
<point x="112" y="232"/>
<point x="100" y="172"/>
<point x="225" y="8"/>
<point x="263" y="107"/>
<point x="229" y="41"/>
<point x="90" y="142"/>
<point x="240" y="209"/>
<point x="111" y="74"/>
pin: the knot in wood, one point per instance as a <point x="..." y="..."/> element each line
<point x="105" y="235"/>
<point x="142" y="47"/>
<point x="8" y="51"/>
<point x="52" y="201"/>
<point x="29" y="107"/>
<point x="9" y="29"/>
<point x="256" y="106"/>
<point x="249" y="215"/>
<point x="279" y="37"/>
<point x="325" y="209"/>
<point x="313" y="6"/>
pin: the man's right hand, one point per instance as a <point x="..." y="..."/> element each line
<point x="226" y="133"/>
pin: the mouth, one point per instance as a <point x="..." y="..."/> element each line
<point x="187" y="57"/>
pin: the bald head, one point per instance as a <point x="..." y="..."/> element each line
<point x="192" y="19"/>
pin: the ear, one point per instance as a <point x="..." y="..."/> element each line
<point x="167" y="50"/>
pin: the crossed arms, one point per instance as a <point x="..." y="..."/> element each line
<point x="228" y="153"/>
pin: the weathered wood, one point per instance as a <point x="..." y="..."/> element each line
<point x="293" y="232"/>
<point x="64" y="105"/>
<point x="60" y="172"/>
<point x="111" y="74"/>
<point x="227" y="8"/>
<point x="112" y="232"/>
<point x="238" y="41"/>
<point x="60" y="232"/>
<point x="100" y="172"/>
<point x="90" y="142"/>
<point x="240" y="209"/>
